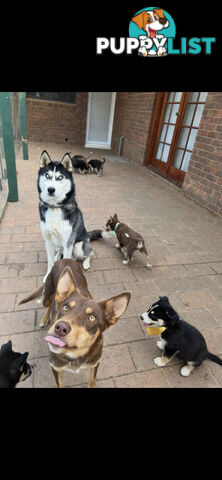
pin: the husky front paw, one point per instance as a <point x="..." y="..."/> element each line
<point x="86" y="263"/>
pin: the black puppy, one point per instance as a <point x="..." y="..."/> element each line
<point x="97" y="166"/>
<point x="13" y="366"/>
<point x="180" y="338"/>
<point x="79" y="163"/>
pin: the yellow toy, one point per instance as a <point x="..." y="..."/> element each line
<point x="155" y="330"/>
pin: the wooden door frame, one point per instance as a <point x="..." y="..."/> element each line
<point x="166" y="169"/>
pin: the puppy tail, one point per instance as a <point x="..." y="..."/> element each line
<point x="37" y="293"/>
<point x="95" y="234"/>
<point x="214" y="358"/>
<point x="103" y="159"/>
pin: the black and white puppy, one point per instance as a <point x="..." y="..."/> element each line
<point x="180" y="338"/>
<point x="96" y="166"/>
<point x="62" y="222"/>
<point x="13" y="366"/>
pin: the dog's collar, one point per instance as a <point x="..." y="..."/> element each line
<point x="116" y="226"/>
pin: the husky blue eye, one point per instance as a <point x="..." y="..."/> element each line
<point x="47" y="175"/>
<point x="60" y="177"/>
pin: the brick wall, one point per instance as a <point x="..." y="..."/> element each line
<point x="203" y="180"/>
<point x="132" y="119"/>
<point x="56" y="122"/>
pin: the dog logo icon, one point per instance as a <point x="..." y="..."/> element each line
<point x="152" y="21"/>
<point x="152" y="33"/>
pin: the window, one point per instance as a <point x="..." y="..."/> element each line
<point x="64" y="97"/>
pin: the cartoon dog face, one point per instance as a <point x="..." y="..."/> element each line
<point x="151" y="21"/>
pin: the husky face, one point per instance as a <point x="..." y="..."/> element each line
<point x="55" y="182"/>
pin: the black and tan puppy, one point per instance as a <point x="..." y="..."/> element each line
<point x="96" y="166"/>
<point x="128" y="239"/>
<point x="75" y="338"/>
<point x="13" y="366"/>
<point x="80" y="163"/>
<point x="179" y="337"/>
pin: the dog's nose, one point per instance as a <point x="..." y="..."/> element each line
<point x="51" y="190"/>
<point x="163" y="21"/>
<point x="62" y="328"/>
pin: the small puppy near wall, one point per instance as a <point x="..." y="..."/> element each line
<point x="179" y="338"/>
<point x="13" y="366"/>
<point x="80" y="163"/>
<point x="75" y="338"/>
<point x="129" y="240"/>
<point x="96" y="166"/>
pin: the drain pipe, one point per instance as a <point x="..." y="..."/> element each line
<point x="120" y="145"/>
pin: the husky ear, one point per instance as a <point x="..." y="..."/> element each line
<point x="65" y="286"/>
<point x="44" y="159"/>
<point x="114" y="307"/>
<point x="67" y="162"/>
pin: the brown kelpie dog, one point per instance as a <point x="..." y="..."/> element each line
<point x="128" y="239"/>
<point x="76" y="336"/>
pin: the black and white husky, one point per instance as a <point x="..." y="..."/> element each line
<point x="61" y="219"/>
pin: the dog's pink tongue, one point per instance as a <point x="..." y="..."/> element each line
<point x="152" y="33"/>
<point x="55" y="341"/>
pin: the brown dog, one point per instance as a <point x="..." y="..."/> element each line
<point x="76" y="336"/>
<point x="128" y="239"/>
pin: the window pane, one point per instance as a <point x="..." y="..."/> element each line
<point x="198" y="115"/>
<point x="178" y="158"/>
<point x="188" y="117"/>
<point x="186" y="161"/>
<point x="203" y="96"/>
<point x="173" y="116"/>
<point x="159" y="151"/>
<point x="171" y="97"/>
<point x="178" y="96"/>
<point x="192" y="138"/>
<point x="163" y="132"/>
<point x="170" y="132"/>
<point x="165" y="153"/>
<point x="193" y="96"/>
<point x="167" y="113"/>
<point x="183" y="137"/>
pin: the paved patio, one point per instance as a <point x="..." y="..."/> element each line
<point x="184" y="244"/>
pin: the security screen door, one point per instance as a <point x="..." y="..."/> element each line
<point x="175" y="126"/>
<point x="100" y="116"/>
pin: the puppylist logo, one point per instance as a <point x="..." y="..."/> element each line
<point x="152" y="32"/>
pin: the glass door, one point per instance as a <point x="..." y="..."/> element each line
<point x="176" y="121"/>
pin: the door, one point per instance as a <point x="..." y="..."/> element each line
<point x="100" y="116"/>
<point x="175" y="126"/>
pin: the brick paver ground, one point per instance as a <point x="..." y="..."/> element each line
<point x="184" y="244"/>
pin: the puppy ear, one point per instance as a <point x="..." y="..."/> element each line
<point x="18" y="362"/>
<point x="67" y="162"/>
<point x="114" y="307"/>
<point x="7" y="347"/>
<point x="164" y="299"/>
<point x="44" y="159"/>
<point x="141" y="20"/>
<point x="159" y="12"/>
<point x="65" y="286"/>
